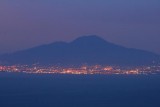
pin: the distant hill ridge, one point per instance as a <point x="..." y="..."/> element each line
<point x="83" y="50"/>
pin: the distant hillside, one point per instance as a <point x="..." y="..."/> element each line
<point x="83" y="50"/>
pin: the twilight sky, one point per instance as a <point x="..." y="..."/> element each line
<point x="28" y="23"/>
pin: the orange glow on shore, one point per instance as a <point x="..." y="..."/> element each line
<point x="96" y="69"/>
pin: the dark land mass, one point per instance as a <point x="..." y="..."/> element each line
<point x="84" y="50"/>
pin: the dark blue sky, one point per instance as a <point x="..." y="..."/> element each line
<point x="28" y="23"/>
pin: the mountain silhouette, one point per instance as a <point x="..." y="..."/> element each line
<point x="83" y="50"/>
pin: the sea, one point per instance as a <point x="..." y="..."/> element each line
<point x="53" y="90"/>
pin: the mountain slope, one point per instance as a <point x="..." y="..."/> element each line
<point x="83" y="50"/>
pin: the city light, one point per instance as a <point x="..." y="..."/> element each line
<point x="95" y="69"/>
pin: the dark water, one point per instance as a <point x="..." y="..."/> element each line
<point x="31" y="90"/>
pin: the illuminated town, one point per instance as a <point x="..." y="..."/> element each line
<point x="96" y="69"/>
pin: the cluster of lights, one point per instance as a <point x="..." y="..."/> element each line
<point x="96" y="69"/>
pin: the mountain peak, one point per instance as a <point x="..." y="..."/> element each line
<point x="86" y="49"/>
<point x="89" y="39"/>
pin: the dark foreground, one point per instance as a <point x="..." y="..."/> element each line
<point x="35" y="90"/>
